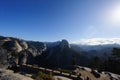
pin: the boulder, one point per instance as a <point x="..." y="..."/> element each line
<point x="61" y="78"/>
<point x="96" y="73"/>
<point x="114" y="76"/>
<point x="86" y="69"/>
<point x="9" y="75"/>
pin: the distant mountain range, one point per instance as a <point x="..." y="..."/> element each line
<point x="91" y="44"/>
<point x="96" y="47"/>
<point x="92" y="47"/>
<point x="58" y="53"/>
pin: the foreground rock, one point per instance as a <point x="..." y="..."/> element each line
<point x="85" y="73"/>
<point x="9" y="75"/>
<point x="61" y="78"/>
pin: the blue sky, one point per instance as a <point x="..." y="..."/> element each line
<point x="52" y="20"/>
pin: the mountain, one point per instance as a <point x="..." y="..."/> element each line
<point x="95" y="50"/>
<point x="92" y="47"/>
<point x="26" y="52"/>
<point x="19" y="51"/>
<point x="54" y="53"/>
<point x="59" y="54"/>
<point x="87" y="46"/>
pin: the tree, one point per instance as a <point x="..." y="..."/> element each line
<point x="105" y="61"/>
<point x="74" y="60"/>
<point x="116" y="53"/>
<point x="95" y="62"/>
<point x="114" y="61"/>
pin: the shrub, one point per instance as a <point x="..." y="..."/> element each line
<point x="42" y="76"/>
<point x="64" y="70"/>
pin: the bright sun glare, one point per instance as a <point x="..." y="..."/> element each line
<point x="115" y="15"/>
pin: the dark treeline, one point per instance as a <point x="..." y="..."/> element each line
<point x="109" y="63"/>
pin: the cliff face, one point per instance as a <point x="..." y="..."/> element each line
<point x="20" y="51"/>
<point x="31" y="52"/>
<point x="12" y="45"/>
<point x="61" y="56"/>
<point x="64" y="45"/>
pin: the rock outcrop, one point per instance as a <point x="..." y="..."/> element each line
<point x="10" y="75"/>
<point x="64" y="44"/>
<point x="36" y="47"/>
<point x="12" y="46"/>
<point x="61" y="56"/>
<point x="21" y="51"/>
<point x="24" y="45"/>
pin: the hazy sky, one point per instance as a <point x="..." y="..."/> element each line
<point x="52" y="20"/>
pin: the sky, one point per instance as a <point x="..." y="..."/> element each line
<point x="53" y="20"/>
